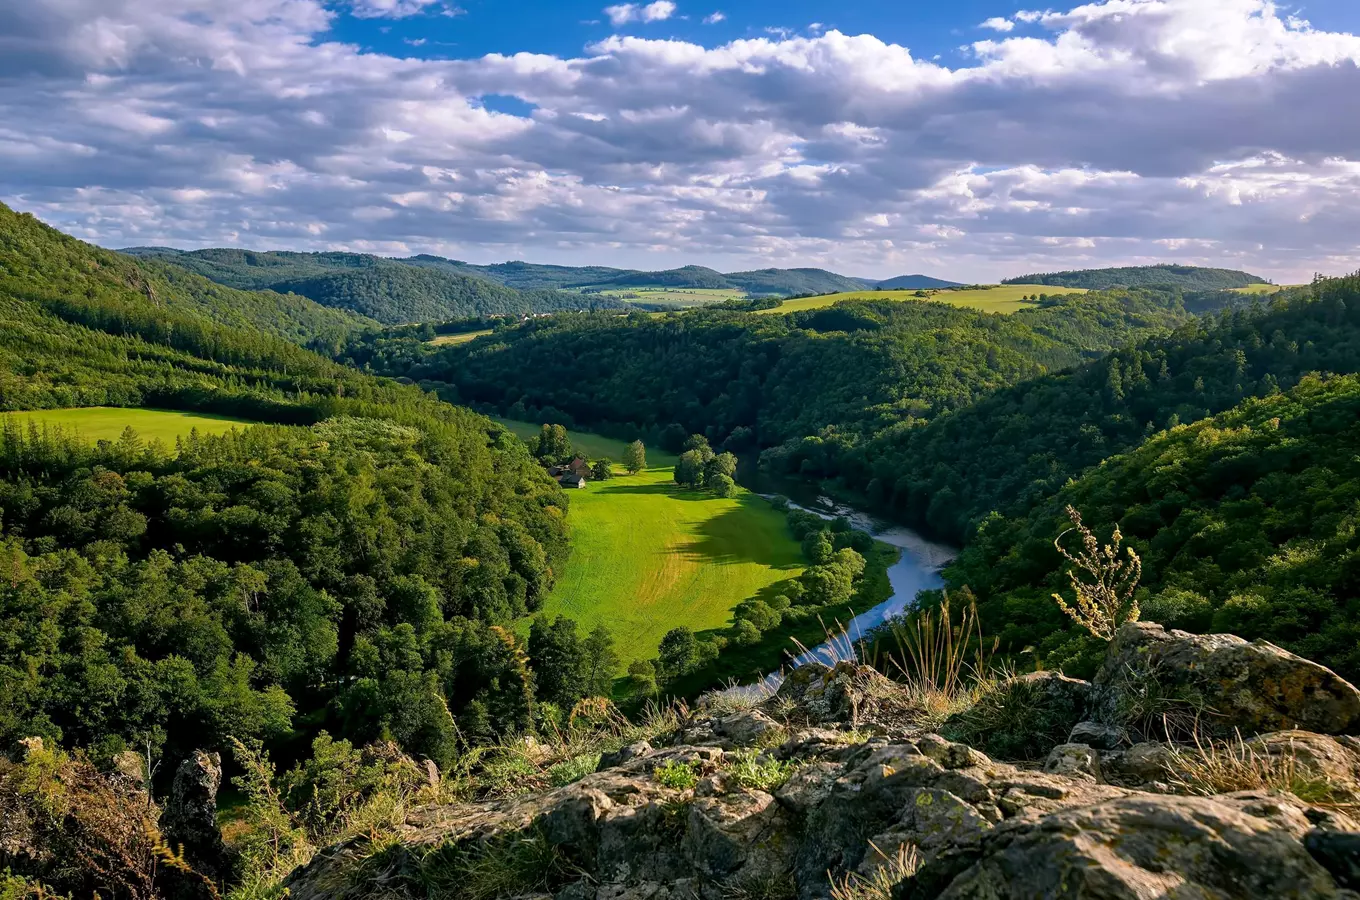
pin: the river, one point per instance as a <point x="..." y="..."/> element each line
<point x="917" y="569"/>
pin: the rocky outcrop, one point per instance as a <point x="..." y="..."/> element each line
<point x="828" y="781"/>
<point x="189" y="823"/>
<point x="1249" y="686"/>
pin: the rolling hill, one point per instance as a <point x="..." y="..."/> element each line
<point x="1187" y="277"/>
<point x="389" y="291"/>
<point x="913" y="283"/>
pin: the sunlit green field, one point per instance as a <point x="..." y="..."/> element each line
<point x="463" y="338"/>
<point x="677" y="297"/>
<point x="1263" y="288"/>
<point x="107" y="423"/>
<point x="1004" y="298"/>
<point x="648" y="556"/>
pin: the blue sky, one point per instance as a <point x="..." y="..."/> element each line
<point x="971" y="140"/>
<point x="927" y="27"/>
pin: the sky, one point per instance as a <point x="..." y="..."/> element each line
<point x="970" y="140"/>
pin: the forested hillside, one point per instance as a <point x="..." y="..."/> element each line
<point x="1019" y="445"/>
<point x="38" y="263"/>
<point x="755" y="381"/>
<point x="390" y="291"/>
<point x="357" y="565"/>
<point x="1245" y="523"/>
<point x="1190" y="278"/>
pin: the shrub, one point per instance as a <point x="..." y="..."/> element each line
<point x="1021" y="718"/>
<point x="751" y="769"/>
<point x="676" y="775"/>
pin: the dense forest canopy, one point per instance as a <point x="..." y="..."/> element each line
<point x="358" y="564"/>
<point x="839" y="374"/>
<point x="1245" y="523"/>
<point x="1190" y="278"/>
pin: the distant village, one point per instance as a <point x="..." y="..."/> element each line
<point x="574" y="474"/>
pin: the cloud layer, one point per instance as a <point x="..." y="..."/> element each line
<point x="1214" y="131"/>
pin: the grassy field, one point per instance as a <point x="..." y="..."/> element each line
<point x="680" y="298"/>
<point x="1003" y="298"/>
<point x="107" y="423"/>
<point x="1263" y="288"/>
<point x="648" y="556"/>
<point x="463" y="338"/>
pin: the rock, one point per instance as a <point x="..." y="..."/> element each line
<point x="1024" y="717"/>
<point x="1141" y="764"/>
<point x="615" y="758"/>
<point x="846" y="694"/>
<point x="1073" y="761"/>
<point x="1251" y="686"/>
<point x="1339" y="853"/>
<point x="1094" y="734"/>
<point x="749" y="729"/>
<point x="189" y="821"/>
<point x="1334" y="765"/>
<point x="1129" y="848"/>
<point x="131" y="766"/>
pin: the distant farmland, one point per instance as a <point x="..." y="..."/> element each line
<point x="680" y="298"/>
<point x="461" y="338"/>
<point x="1005" y="298"/>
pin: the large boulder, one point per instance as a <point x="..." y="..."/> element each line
<point x="1227" y="682"/>
<point x="1130" y="848"/>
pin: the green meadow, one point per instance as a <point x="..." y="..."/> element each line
<point x="1263" y="288"/>
<point x="107" y="423"/>
<point x="648" y="556"/>
<point x="1002" y="298"/>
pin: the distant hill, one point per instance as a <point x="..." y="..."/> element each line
<point x="522" y="275"/>
<point x="684" y="277"/>
<point x="914" y="283"/>
<point x="1188" y="277"/>
<point x="791" y="282"/>
<point x="389" y="291"/>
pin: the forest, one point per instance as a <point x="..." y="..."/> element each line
<point x="389" y="291"/>
<point x="356" y="563"/>
<point x="1190" y="278"/>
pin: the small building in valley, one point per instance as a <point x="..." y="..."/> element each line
<point x="571" y="480"/>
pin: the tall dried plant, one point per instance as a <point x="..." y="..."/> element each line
<point x="1102" y="579"/>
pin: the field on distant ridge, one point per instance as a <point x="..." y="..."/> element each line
<point x="107" y="423"/>
<point x="648" y="556"/>
<point x="462" y="338"/>
<point x="1263" y="288"/>
<point x="1004" y="298"/>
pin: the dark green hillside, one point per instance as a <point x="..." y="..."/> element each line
<point x="1190" y="278"/>
<point x="1020" y="445"/>
<point x="1245" y="523"/>
<point x="522" y="275"/>
<point x="756" y="381"/>
<point x="791" y="282"/>
<point x="684" y="277"/>
<point x="40" y="259"/>
<point x="913" y="283"/>
<point x="389" y="291"/>
<point x="358" y="565"/>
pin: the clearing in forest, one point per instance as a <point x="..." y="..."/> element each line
<point x="461" y="338"/>
<point x="1003" y="298"/>
<point x="648" y="556"/>
<point x="107" y="422"/>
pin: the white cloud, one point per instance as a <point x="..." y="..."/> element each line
<point x="638" y="12"/>
<point x="714" y="18"/>
<point x="391" y="9"/>
<point x="1122" y="131"/>
<point x="998" y="23"/>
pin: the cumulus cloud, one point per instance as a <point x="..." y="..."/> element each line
<point x="998" y="23"/>
<point x="1120" y="131"/>
<point x="391" y="9"/>
<point x="638" y="12"/>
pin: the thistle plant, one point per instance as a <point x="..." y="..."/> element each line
<point x="1103" y="580"/>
